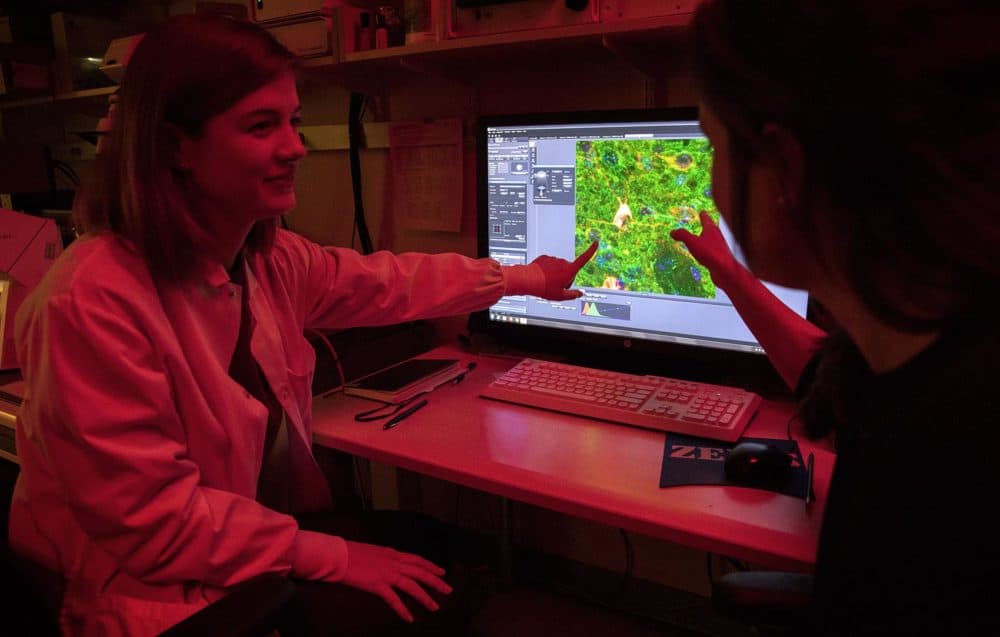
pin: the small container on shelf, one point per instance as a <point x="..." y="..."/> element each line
<point x="392" y="23"/>
<point x="381" y="32"/>
<point x="363" y="36"/>
<point x="417" y="21"/>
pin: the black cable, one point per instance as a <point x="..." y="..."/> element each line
<point x="50" y="170"/>
<point x="629" y="561"/>
<point x="356" y="135"/>
<point x="788" y="425"/>
<point x="361" y="484"/>
<point x="361" y="118"/>
<point x="75" y="181"/>
<point x="732" y="561"/>
<point x="738" y="564"/>
<point x="69" y="168"/>
<point x="364" y="109"/>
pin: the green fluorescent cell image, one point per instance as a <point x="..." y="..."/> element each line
<point x="629" y="195"/>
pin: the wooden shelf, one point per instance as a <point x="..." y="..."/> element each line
<point x="62" y="97"/>
<point x="88" y="93"/>
<point x="570" y="35"/>
<point x="324" y="62"/>
<point x="577" y="34"/>
<point x="17" y="102"/>
<point x="640" y="44"/>
<point x="644" y="45"/>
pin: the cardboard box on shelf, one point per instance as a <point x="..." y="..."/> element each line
<point x="472" y="18"/>
<point x="618" y="10"/>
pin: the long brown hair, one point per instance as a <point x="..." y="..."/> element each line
<point x="183" y="72"/>
<point x="898" y="113"/>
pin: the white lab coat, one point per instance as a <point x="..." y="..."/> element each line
<point x="140" y="456"/>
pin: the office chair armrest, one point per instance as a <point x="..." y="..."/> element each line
<point x="765" y="597"/>
<point x="251" y="609"/>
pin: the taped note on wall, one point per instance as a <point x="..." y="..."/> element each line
<point x="426" y="163"/>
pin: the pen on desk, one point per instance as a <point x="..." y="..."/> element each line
<point x="468" y="368"/>
<point x="395" y="420"/>
<point x="809" y="478"/>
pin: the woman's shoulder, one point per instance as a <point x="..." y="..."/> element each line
<point x="92" y="263"/>
<point x="292" y="252"/>
<point x="291" y="245"/>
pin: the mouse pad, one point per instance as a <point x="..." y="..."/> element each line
<point x="689" y="460"/>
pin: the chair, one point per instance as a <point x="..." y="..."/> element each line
<point x="776" y="601"/>
<point x="26" y="608"/>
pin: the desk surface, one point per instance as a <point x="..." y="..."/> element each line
<point x="600" y="471"/>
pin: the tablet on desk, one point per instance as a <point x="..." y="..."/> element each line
<point x="405" y="380"/>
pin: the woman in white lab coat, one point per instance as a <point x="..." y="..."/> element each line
<point x="165" y="434"/>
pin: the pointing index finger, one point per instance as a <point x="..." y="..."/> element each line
<point x="586" y="256"/>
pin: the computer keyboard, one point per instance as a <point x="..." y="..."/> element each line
<point x="653" y="402"/>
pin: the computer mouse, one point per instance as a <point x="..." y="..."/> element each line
<point x="757" y="464"/>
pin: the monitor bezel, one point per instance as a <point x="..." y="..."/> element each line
<point x="695" y="362"/>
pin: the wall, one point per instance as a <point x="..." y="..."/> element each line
<point x="325" y="207"/>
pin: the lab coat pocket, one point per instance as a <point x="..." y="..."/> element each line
<point x="300" y="386"/>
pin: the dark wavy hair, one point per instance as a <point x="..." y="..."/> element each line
<point x="897" y="109"/>
<point x="183" y="72"/>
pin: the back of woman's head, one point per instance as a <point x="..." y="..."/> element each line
<point x="183" y="72"/>
<point x="897" y="110"/>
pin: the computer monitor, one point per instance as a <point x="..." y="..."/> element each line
<point x="553" y="183"/>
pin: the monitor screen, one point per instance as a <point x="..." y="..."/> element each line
<point x="554" y="183"/>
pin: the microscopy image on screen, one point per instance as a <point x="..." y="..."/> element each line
<point x="629" y="195"/>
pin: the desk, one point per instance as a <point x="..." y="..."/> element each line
<point x="600" y="471"/>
